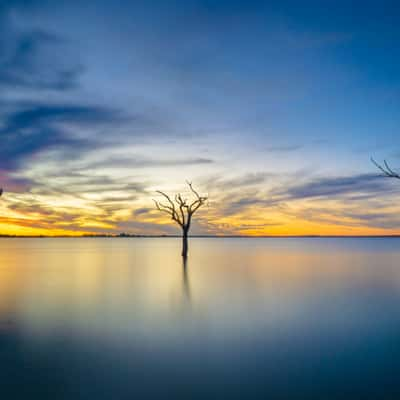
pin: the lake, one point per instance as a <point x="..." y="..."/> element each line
<point x="116" y="318"/>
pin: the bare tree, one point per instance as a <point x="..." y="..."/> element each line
<point x="182" y="212"/>
<point x="386" y="169"/>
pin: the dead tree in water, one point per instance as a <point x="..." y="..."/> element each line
<point x="182" y="212"/>
<point x="386" y="169"/>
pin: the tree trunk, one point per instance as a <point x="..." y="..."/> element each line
<point x="184" y="244"/>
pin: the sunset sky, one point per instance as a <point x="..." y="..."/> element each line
<point x="272" y="108"/>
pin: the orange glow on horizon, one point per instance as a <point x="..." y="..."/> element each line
<point x="301" y="228"/>
<point x="22" y="215"/>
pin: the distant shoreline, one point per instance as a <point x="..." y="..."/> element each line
<point x="198" y="236"/>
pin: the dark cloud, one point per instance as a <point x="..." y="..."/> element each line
<point x="141" y="211"/>
<point x="240" y="182"/>
<point x="367" y="184"/>
<point x="32" y="129"/>
<point x="141" y="162"/>
<point x="385" y="220"/>
<point x="75" y="184"/>
<point x="36" y="60"/>
<point x="233" y="206"/>
<point x="238" y="206"/>
<point x="349" y="216"/>
<point x="32" y="57"/>
<point x="348" y="190"/>
<point x="14" y="184"/>
<point x="283" y="149"/>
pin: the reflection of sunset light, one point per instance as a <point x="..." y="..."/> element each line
<point x="107" y="285"/>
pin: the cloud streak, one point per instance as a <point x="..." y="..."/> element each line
<point x="36" y="60"/>
<point x="31" y="129"/>
<point x="369" y="185"/>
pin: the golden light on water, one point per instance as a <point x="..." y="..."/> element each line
<point x="42" y="281"/>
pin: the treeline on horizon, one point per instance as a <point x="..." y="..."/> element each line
<point x="129" y="235"/>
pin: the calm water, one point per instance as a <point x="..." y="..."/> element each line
<point x="248" y="318"/>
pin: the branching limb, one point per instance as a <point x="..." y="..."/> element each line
<point x="386" y="169"/>
<point x="195" y="192"/>
<point x="181" y="212"/>
<point x="169" y="209"/>
<point x="179" y="209"/>
<point x="182" y="205"/>
<point x="198" y="202"/>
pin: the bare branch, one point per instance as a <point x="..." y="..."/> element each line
<point x="182" y="203"/>
<point x="170" y="210"/>
<point x="168" y="198"/>
<point x="392" y="173"/>
<point x="181" y="212"/>
<point x="159" y="207"/>
<point x="193" y="191"/>
<point x="197" y="203"/>
<point x="179" y="209"/>
<point x="386" y="169"/>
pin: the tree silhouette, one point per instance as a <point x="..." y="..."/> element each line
<point x="386" y="169"/>
<point x="182" y="212"/>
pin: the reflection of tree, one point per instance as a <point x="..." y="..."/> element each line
<point x="181" y="212"/>
<point x="185" y="282"/>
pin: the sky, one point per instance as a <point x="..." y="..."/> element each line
<point x="271" y="108"/>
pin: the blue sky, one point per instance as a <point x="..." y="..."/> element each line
<point x="273" y="108"/>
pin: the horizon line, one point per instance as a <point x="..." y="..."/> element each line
<point x="122" y="236"/>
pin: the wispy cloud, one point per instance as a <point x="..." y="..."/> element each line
<point x="33" y="128"/>
<point x="283" y="149"/>
<point x="36" y="60"/>
<point x="137" y="161"/>
<point x="368" y="185"/>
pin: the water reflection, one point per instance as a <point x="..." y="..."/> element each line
<point x="185" y="281"/>
<point x="259" y="317"/>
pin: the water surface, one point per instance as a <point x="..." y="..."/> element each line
<point x="247" y="318"/>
